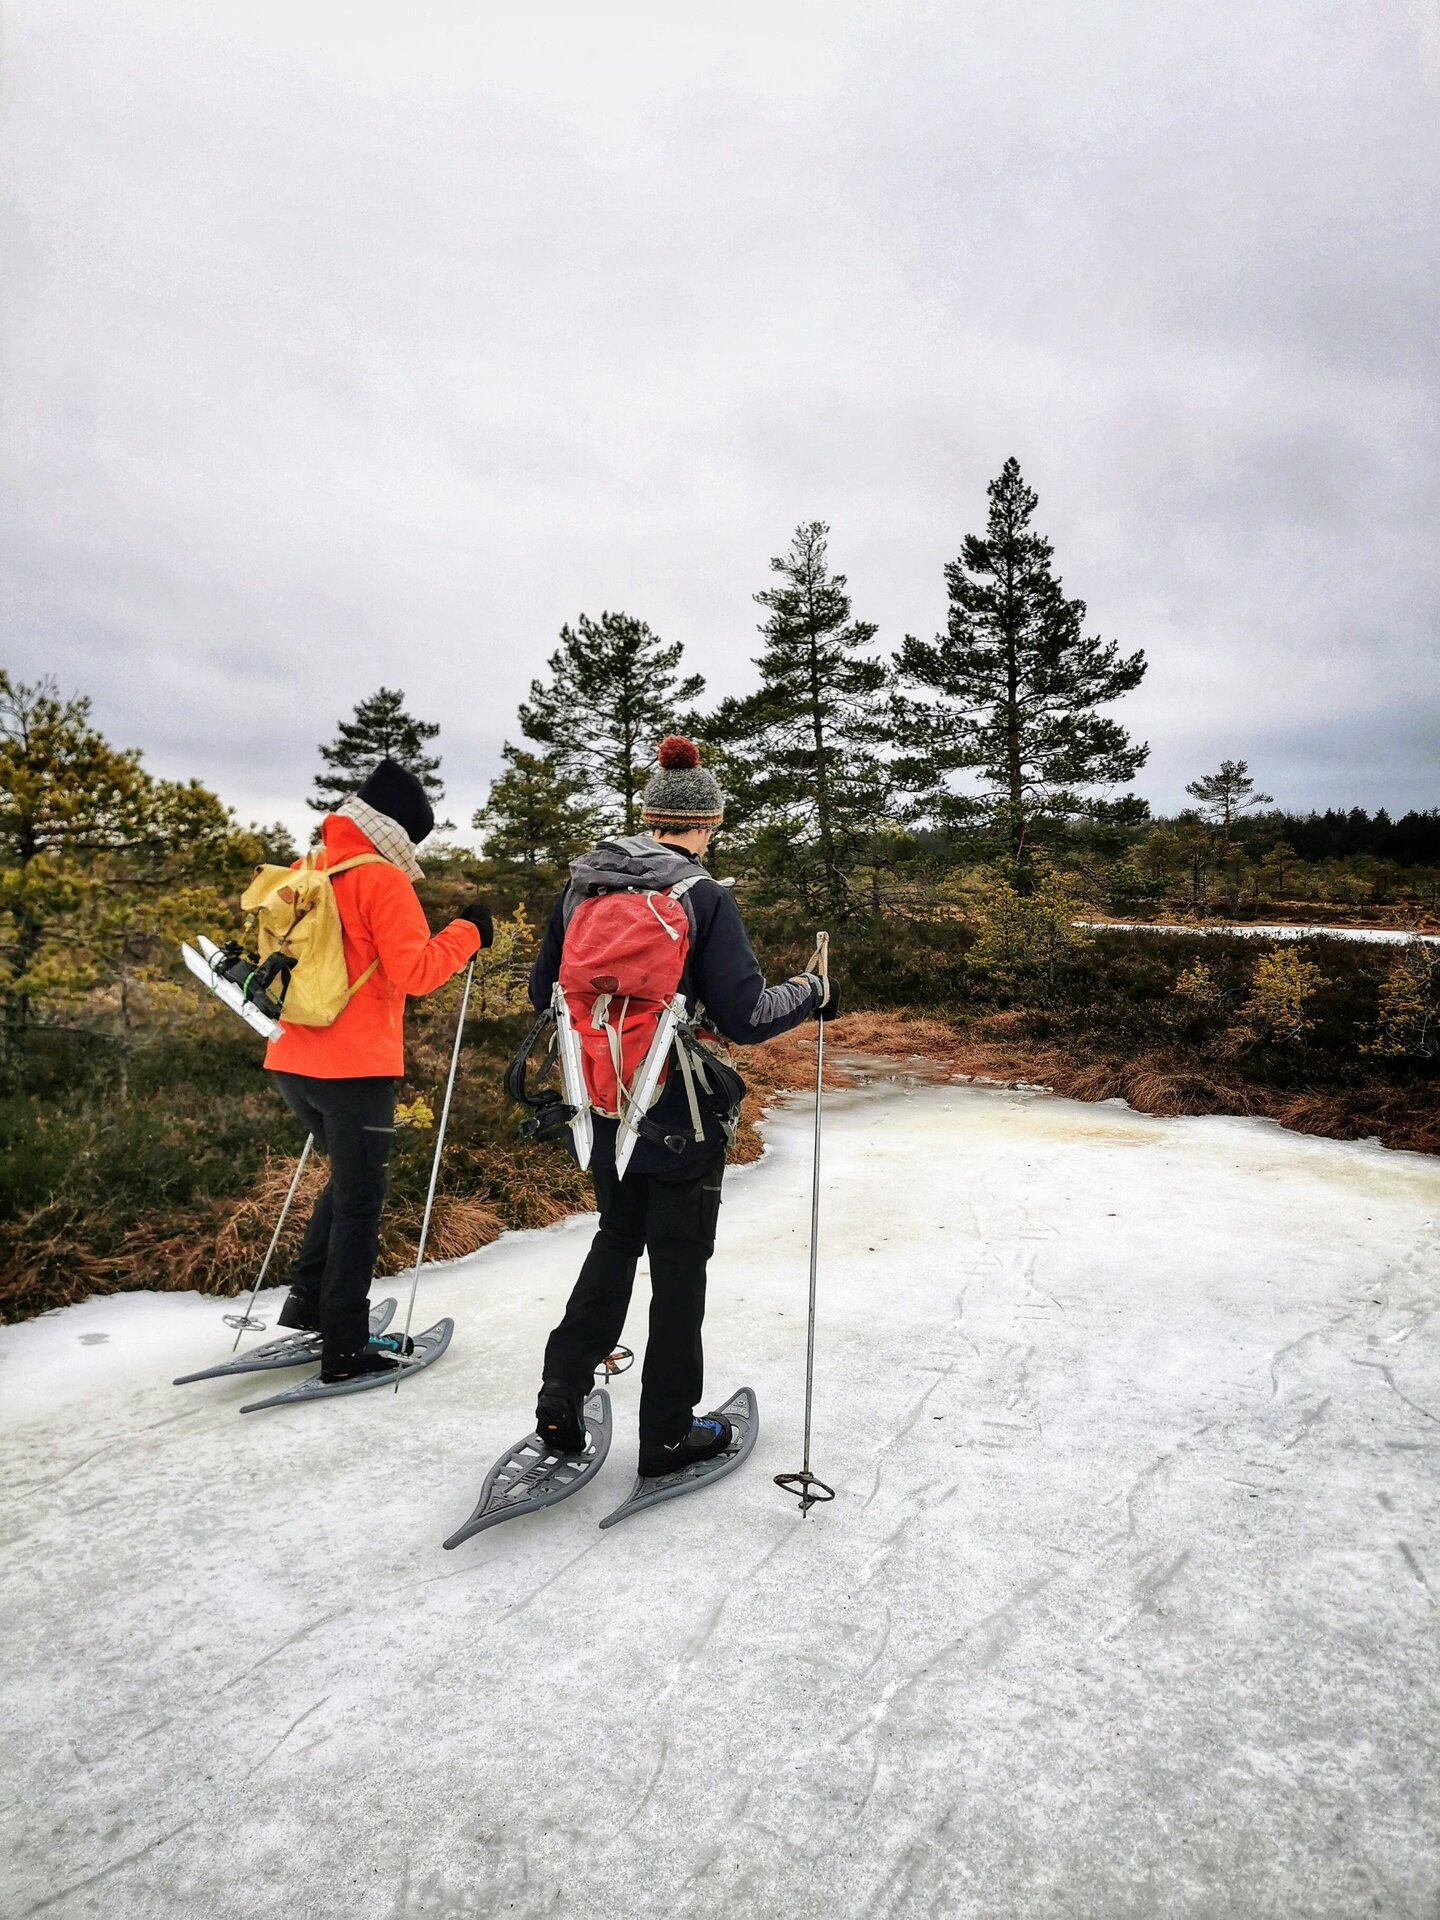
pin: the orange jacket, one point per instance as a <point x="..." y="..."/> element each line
<point x="382" y="918"/>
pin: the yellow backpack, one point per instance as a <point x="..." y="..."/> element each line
<point x="296" y="915"/>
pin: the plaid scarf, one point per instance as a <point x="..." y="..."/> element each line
<point x="387" y="836"/>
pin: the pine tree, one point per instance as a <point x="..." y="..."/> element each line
<point x="802" y="767"/>
<point x="1223" y="796"/>
<point x="614" y="691"/>
<point x="102" y="867"/>
<point x="380" y="729"/>
<point x="1019" y="684"/>
<point x="535" y="821"/>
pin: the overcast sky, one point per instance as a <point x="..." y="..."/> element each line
<point x="354" y="345"/>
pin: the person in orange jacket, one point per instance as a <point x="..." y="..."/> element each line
<point x="339" y="1081"/>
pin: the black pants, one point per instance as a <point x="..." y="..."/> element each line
<point x="353" y="1121"/>
<point x="676" y="1220"/>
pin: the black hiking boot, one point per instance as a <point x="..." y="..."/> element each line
<point x="381" y="1353"/>
<point x="708" y="1436"/>
<point x="560" y="1417"/>
<point x="300" y="1312"/>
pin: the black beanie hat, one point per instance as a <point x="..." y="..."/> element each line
<point x="394" y="791"/>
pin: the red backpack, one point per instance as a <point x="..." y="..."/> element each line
<point x="620" y="968"/>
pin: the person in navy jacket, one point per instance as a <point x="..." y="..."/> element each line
<point x="668" y="1200"/>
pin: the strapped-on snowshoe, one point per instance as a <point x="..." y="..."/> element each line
<point x="743" y="1412"/>
<point x="295" y="1351"/>
<point x="529" y="1475"/>
<point x="428" y="1348"/>
<point x="206" y="966"/>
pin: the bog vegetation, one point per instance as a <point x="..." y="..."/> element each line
<point x="957" y="810"/>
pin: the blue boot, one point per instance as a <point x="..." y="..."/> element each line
<point x="708" y="1436"/>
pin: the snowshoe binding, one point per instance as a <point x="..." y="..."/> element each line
<point x="560" y="1417"/>
<point x="427" y="1347"/>
<point x="382" y="1353"/>
<point x="740" y="1415"/>
<point x="709" y="1434"/>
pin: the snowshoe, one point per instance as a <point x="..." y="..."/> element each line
<point x="428" y="1347"/>
<point x="297" y="1350"/>
<point x="531" y="1474"/>
<point x="741" y="1413"/>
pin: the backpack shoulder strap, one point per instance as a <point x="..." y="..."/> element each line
<point x="343" y="866"/>
<point x="355" y="860"/>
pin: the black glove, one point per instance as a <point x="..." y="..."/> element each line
<point x="478" y="914"/>
<point x="832" y="998"/>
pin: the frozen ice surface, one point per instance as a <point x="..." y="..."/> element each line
<point x="1372" y="936"/>
<point x="1127" y="1605"/>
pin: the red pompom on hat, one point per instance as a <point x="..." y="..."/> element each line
<point x="677" y="751"/>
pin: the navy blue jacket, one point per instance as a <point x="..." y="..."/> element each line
<point x="721" y="974"/>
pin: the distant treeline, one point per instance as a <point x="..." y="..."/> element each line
<point x="1411" y="841"/>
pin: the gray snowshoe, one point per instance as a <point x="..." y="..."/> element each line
<point x="428" y="1347"/>
<point x="743" y="1412"/>
<point x="529" y="1476"/>
<point x="294" y="1351"/>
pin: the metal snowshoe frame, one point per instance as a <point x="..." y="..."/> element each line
<point x="640" y="1095"/>
<point x="572" y="1078"/>
<point x="202" y="965"/>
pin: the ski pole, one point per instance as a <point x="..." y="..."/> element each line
<point x="435" y="1164"/>
<point x="242" y="1321"/>
<point x="804" y="1485"/>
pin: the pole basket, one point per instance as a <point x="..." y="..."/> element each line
<point x="809" y="1491"/>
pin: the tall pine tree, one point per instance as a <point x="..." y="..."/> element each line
<point x="614" y="690"/>
<point x="1018" y="684"/>
<point x="535" y="821"/>
<point x="1225" y="795"/>
<point x="381" y="727"/>
<point x="802" y="762"/>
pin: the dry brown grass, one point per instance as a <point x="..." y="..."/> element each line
<point x="491" y="1181"/>
<point x="994" y="1050"/>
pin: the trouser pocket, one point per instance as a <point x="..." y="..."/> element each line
<point x="378" y="1142"/>
<point x="710" y="1209"/>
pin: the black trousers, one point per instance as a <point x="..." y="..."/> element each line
<point x="353" y="1122"/>
<point x="676" y="1220"/>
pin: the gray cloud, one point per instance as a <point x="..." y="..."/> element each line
<point x="345" y="349"/>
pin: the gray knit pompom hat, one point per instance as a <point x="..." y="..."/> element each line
<point x="681" y="793"/>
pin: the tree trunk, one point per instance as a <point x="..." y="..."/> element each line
<point x="1014" y="760"/>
